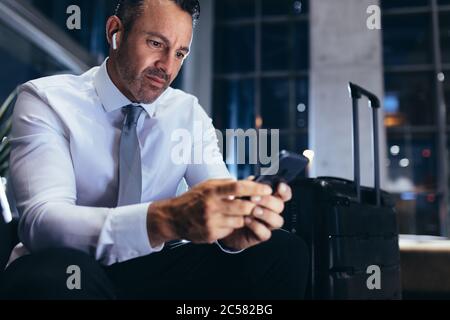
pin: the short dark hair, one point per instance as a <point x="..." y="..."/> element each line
<point x="129" y="10"/>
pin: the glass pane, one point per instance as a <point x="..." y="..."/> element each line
<point x="234" y="109"/>
<point x="407" y="39"/>
<point x="284" y="7"/>
<point x="444" y="2"/>
<point x="389" y="4"/>
<point x="301" y="142"/>
<point x="234" y="104"/>
<point x="427" y="213"/>
<point x="284" y="48"/>
<point x="55" y="10"/>
<point x="24" y="61"/>
<point x="412" y="178"/>
<point x="302" y="105"/>
<point x="275" y="47"/>
<point x="234" y="9"/>
<point x="275" y="103"/>
<point x="409" y="99"/>
<point x="301" y="46"/>
<point x="412" y="162"/>
<point x="447" y="94"/>
<point x="234" y="49"/>
<point x="93" y="18"/>
<point x="444" y="20"/>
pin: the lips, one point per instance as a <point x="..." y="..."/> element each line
<point x="160" y="82"/>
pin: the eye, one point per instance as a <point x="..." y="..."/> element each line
<point x="180" y="55"/>
<point x="154" y="43"/>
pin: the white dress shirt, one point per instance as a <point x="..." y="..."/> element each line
<point x="64" y="163"/>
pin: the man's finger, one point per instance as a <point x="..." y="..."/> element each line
<point x="237" y="207"/>
<point x="243" y="188"/>
<point x="284" y="192"/>
<point x="232" y="222"/>
<point x="271" y="219"/>
<point x="272" y="203"/>
<point x="261" y="231"/>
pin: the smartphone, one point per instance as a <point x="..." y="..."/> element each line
<point x="288" y="166"/>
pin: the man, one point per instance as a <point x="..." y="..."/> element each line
<point x="93" y="173"/>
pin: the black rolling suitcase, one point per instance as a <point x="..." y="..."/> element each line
<point x="351" y="230"/>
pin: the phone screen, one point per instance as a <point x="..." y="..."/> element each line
<point x="288" y="167"/>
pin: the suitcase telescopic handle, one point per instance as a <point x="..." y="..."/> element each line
<point x="356" y="93"/>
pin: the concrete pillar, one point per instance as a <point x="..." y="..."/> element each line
<point x="198" y="69"/>
<point x="343" y="49"/>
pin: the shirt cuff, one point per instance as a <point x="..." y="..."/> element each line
<point x="124" y="235"/>
<point x="227" y="249"/>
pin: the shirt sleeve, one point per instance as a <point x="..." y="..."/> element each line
<point x="44" y="186"/>
<point x="212" y="166"/>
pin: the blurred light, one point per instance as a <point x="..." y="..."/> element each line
<point x="309" y="154"/>
<point x="404" y="163"/>
<point x="298" y="7"/>
<point x="259" y="122"/>
<point x="301" y="107"/>
<point x="431" y="197"/>
<point x="391" y="103"/>
<point x="394" y="120"/>
<point x="426" y="153"/>
<point x="395" y="150"/>
<point x="441" y="77"/>
<point x="408" y="196"/>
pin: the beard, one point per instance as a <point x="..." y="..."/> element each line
<point x="137" y="82"/>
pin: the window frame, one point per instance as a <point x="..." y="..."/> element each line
<point x="440" y="128"/>
<point x="258" y="75"/>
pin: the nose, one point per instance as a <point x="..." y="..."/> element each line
<point x="165" y="63"/>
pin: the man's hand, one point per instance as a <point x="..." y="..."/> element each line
<point x="265" y="218"/>
<point x="212" y="211"/>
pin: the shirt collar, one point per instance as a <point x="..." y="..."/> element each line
<point x="111" y="97"/>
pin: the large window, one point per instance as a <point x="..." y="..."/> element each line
<point x="416" y="39"/>
<point x="261" y="61"/>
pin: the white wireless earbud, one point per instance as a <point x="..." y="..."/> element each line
<point x="114" y="41"/>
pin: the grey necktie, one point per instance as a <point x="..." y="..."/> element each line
<point x="130" y="175"/>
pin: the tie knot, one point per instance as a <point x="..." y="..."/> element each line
<point x="132" y="114"/>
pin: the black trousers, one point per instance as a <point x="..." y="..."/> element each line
<point x="276" y="269"/>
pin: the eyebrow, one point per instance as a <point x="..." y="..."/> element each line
<point x="165" y="40"/>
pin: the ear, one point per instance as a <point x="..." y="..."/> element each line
<point x="113" y="31"/>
